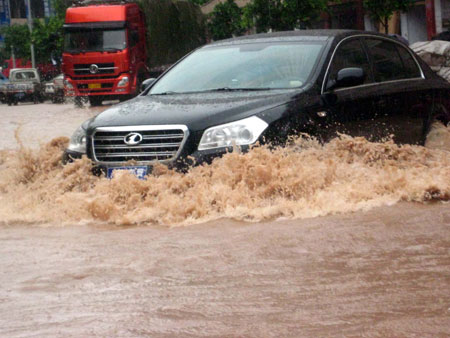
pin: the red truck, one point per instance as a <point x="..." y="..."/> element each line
<point x="104" y="51"/>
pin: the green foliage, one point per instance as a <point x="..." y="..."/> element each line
<point x="17" y="37"/>
<point x="382" y="10"/>
<point x="48" y="38"/>
<point x="281" y="15"/>
<point x="225" y="21"/>
<point x="60" y="7"/>
<point x="174" y="28"/>
<point x="199" y="2"/>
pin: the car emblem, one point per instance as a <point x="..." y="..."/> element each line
<point x="133" y="139"/>
<point x="93" y="69"/>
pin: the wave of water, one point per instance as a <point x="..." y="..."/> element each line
<point x="304" y="180"/>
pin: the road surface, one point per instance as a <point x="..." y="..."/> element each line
<point x="347" y="239"/>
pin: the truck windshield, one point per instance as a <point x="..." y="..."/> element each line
<point x="90" y="40"/>
<point x="252" y="66"/>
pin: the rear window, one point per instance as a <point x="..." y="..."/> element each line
<point x="24" y="76"/>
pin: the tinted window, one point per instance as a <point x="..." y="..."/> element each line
<point x="350" y="54"/>
<point x="411" y="68"/>
<point x="387" y="63"/>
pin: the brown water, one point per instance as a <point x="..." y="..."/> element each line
<point x="262" y="263"/>
<point x="301" y="181"/>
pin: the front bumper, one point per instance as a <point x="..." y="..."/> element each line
<point x="97" y="87"/>
<point x="183" y="163"/>
<point x="21" y="95"/>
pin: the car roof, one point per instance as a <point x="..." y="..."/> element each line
<point x="296" y="35"/>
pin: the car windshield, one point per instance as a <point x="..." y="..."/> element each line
<point x="89" y="40"/>
<point x="252" y="66"/>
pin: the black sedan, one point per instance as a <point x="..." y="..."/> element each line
<point x="265" y="88"/>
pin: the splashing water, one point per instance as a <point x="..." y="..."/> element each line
<point x="304" y="180"/>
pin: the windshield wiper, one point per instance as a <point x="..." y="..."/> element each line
<point x="229" y="89"/>
<point x="166" y="93"/>
<point x="78" y="51"/>
<point x="111" y="50"/>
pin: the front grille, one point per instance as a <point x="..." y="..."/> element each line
<point x="87" y="91"/>
<point x="103" y="68"/>
<point x="159" y="144"/>
<point x="103" y="85"/>
<point x="95" y="77"/>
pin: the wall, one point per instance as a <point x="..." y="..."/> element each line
<point x="414" y="25"/>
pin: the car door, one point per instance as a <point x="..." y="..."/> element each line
<point x="418" y="100"/>
<point x="400" y="93"/>
<point x="348" y="110"/>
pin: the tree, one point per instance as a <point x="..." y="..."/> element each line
<point x="48" y="38"/>
<point x="381" y="10"/>
<point x="199" y="2"/>
<point x="17" y="37"/>
<point x="60" y="7"/>
<point x="225" y="20"/>
<point x="281" y="15"/>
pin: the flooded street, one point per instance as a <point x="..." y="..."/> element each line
<point x="347" y="239"/>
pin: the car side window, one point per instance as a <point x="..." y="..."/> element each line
<point x="411" y="68"/>
<point x="387" y="64"/>
<point x="350" y="54"/>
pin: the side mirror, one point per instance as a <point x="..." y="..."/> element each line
<point x="348" y="77"/>
<point x="147" y="83"/>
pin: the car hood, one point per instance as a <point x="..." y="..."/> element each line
<point x="197" y="111"/>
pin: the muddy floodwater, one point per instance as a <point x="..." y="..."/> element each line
<point x="350" y="238"/>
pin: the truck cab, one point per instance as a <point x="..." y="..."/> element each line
<point x="104" y="51"/>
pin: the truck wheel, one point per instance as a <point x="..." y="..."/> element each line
<point x="78" y="102"/>
<point x="95" y="101"/>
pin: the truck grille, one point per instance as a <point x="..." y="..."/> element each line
<point x="159" y="144"/>
<point x="103" y="68"/>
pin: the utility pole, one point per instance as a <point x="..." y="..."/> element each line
<point x="30" y="27"/>
<point x="13" y="56"/>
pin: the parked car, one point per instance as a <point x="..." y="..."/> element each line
<point x="266" y="88"/>
<point x="3" y="81"/>
<point x="54" y="89"/>
<point x="24" y="85"/>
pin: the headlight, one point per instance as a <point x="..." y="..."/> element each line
<point x="78" y="141"/>
<point x="123" y="82"/>
<point x="68" y="84"/>
<point x="243" y="132"/>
